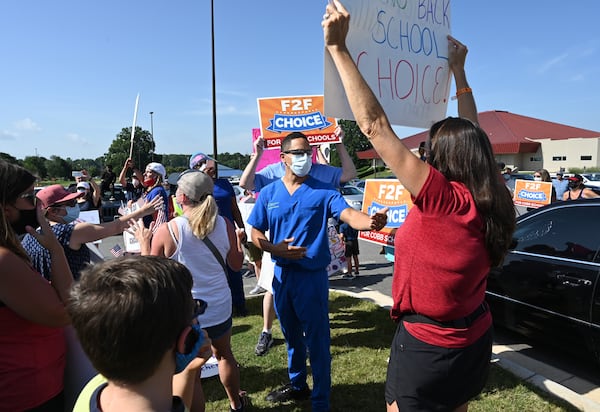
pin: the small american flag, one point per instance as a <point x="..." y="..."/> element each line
<point x="117" y="251"/>
<point x="161" y="217"/>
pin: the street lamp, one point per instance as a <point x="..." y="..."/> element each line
<point x="152" y="133"/>
<point x="214" y="98"/>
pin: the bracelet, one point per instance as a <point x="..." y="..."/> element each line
<point x="462" y="91"/>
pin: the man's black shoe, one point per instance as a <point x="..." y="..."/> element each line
<point x="287" y="393"/>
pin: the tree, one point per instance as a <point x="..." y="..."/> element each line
<point x="9" y="158"/>
<point x="355" y="141"/>
<point x="36" y="165"/>
<point x="58" y="167"/>
<point x="118" y="152"/>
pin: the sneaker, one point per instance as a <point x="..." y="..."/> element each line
<point x="257" y="290"/>
<point x="244" y="400"/>
<point x="348" y="276"/>
<point x="265" y="341"/>
<point x="287" y="393"/>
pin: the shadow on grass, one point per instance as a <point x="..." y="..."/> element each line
<point x="361" y="333"/>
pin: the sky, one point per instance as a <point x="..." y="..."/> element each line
<point x="71" y="69"/>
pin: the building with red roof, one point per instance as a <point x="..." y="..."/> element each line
<point x="528" y="143"/>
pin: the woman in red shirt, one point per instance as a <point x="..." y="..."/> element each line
<point x="32" y="309"/>
<point x="461" y="225"/>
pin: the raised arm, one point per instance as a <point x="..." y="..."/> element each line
<point x="247" y="178"/>
<point x="457" y="55"/>
<point x="123" y="174"/>
<point x="367" y="111"/>
<point x="348" y="167"/>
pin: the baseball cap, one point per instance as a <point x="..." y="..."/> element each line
<point x="85" y="185"/>
<point x="54" y="194"/>
<point x="198" y="158"/>
<point x="576" y="178"/>
<point x="157" y="168"/>
<point x="195" y="184"/>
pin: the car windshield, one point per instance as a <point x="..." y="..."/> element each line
<point x="350" y="190"/>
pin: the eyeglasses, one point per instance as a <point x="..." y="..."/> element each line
<point x="299" y="152"/>
<point x="29" y="196"/>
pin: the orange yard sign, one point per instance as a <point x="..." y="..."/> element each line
<point x="380" y="193"/>
<point x="280" y="116"/>
<point x="532" y="194"/>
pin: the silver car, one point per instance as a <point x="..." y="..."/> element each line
<point x="353" y="196"/>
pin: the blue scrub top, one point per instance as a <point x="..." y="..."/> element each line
<point x="302" y="216"/>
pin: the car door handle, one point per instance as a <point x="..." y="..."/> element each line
<point x="573" y="281"/>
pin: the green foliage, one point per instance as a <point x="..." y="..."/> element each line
<point x="355" y="141"/>
<point x="9" y="158"/>
<point x="143" y="149"/>
<point x="361" y="333"/>
<point x="580" y="171"/>
<point x="36" y="165"/>
<point x="58" y="167"/>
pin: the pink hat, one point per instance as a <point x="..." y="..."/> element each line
<point x="54" y="194"/>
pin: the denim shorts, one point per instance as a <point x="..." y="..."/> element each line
<point x="216" y="331"/>
<point x="424" y="377"/>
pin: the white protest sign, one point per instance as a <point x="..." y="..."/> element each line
<point x="401" y="49"/>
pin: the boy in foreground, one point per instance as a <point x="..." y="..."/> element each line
<point x="136" y="321"/>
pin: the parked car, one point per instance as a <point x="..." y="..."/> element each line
<point x="239" y="192"/>
<point x="111" y="202"/>
<point x="591" y="180"/>
<point x="353" y="195"/>
<point x="548" y="286"/>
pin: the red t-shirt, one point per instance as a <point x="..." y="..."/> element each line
<point x="32" y="362"/>
<point x="441" y="263"/>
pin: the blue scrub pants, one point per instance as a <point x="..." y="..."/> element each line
<point x="302" y="306"/>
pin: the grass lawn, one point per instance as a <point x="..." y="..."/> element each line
<point x="360" y="336"/>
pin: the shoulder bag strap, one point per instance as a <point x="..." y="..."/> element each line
<point x="215" y="252"/>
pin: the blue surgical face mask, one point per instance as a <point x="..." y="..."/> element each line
<point x="301" y="164"/>
<point x="72" y="213"/>
<point x="193" y="342"/>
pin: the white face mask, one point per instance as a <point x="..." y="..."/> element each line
<point x="301" y="164"/>
<point x="537" y="179"/>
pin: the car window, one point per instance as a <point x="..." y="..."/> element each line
<point x="350" y="190"/>
<point x="570" y="232"/>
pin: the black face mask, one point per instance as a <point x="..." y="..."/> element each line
<point x="574" y="184"/>
<point x="26" y="218"/>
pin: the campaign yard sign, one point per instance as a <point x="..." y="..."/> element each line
<point x="401" y="49"/>
<point x="280" y="116"/>
<point x="532" y="194"/>
<point x="381" y="193"/>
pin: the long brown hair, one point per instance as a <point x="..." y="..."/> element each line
<point x="14" y="180"/>
<point x="462" y="152"/>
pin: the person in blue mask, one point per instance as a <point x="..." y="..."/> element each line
<point x="62" y="213"/>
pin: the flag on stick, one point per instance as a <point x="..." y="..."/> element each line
<point x="137" y="101"/>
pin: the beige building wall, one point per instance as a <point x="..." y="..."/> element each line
<point x="569" y="153"/>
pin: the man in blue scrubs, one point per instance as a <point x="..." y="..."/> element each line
<point x="295" y="210"/>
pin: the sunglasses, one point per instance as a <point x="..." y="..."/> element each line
<point x="30" y="196"/>
<point x="299" y="152"/>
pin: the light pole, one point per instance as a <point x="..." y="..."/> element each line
<point x="214" y="98"/>
<point x="152" y="133"/>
